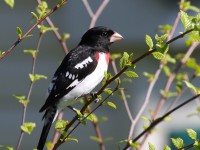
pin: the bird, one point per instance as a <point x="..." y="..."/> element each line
<point x="81" y="70"/>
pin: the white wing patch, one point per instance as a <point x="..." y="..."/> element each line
<point x="84" y="63"/>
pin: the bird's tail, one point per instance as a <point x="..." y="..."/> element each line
<point x="49" y="117"/>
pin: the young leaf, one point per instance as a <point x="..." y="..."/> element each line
<point x="135" y="145"/>
<point x="32" y="52"/>
<point x="178" y="142"/>
<point x="10" y="3"/>
<point x="49" y="145"/>
<point x="185" y="20"/>
<point x="151" y="146"/>
<point x="36" y="77"/>
<point x="95" y="138"/>
<point x="131" y="74"/>
<point x="149" y="41"/>
<point x="28" y="127"/>
<point x="71" y="139"/>
<point x="149" y="76"/>
<point x="196" y="145"/>
<point x="6" y="147"/>
<point x="65" y="36"/>
<point x="124" y="60"/>
<point x="35" y="15"/>
<point x="167" y="147"/>
<point x="192" y="134"/>
<point x="111" y="104"/>
<point x="158" y="55"/>
<point x="19" y="32"/>
<point x="61" y="124"/>
<point x="44" y="29"/>
<point x="192" y="87"/>
<point x="91" y="117"/>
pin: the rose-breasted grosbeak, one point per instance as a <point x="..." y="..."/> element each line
<point x="79" y="73"/>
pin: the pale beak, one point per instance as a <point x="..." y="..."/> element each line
<point x="115" y="37"/>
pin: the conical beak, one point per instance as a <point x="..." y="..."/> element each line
<point x="116" y="37"/>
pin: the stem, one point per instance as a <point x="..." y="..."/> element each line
<point x="31" y="29"/>
<point x="158" y="120"/>
<point x="29" y="92"/>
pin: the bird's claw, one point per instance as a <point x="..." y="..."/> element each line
<point x="94" y="96"/>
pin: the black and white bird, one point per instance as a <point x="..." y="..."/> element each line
<point x="80" y="72"/>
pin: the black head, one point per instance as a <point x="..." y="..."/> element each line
<point x="100" y="37"/>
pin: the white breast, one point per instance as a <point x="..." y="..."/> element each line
<point x="87" y="84"/>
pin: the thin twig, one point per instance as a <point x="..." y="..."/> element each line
<point x="95" y="16"/>
<point x="160" y="119"/>
<point x="31" y="29"/>
<point x="57" y="34"/>
<point x="30" y="91"/>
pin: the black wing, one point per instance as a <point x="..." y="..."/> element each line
<point x="68" y="72"/>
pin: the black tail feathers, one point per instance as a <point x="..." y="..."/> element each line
<point x="49" y="116"/>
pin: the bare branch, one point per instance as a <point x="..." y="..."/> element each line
<point x="31" y="29"/>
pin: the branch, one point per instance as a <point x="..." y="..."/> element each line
<point x="160" y="119"/>
<point x="95" y="16"/>
<point x="30" y="90"/>
<point x="31" y="29"/>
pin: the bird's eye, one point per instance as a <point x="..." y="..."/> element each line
<point x="104" y="34"/>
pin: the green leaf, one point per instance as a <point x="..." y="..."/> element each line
<point x="36" y="77"/>
<point x="92" y="117"/>
<point x="151" y="146"/>
<point x="6" y="147"/>
<point x="22" y="99"/>
<point x="49" y="145"/>
<point x="185" y="20"/>
<point x="124" y="60"/>
<point x="95" y="138"/>
<point x="44" y="29"/>
<point x="32" y="52"/>
<point x="10" y="3"/>
<point x="35" y="15"/>
<point x="65" y="36"/>
<point x="115" y="56"/>
<point x="192" y="134"/>
<point x="135" y="145"/>
<point x="61" y="124"/>
<point x="166" y="70"/>
<point x="108" y="91"/>
<point x="149" y="76"/>
<point x="19" y="32"/>
<point x="158" y="55"/>
<point x="146" y="119"/>
<point x="161" y="38"/>
<point x="102" y="119"/>
<point x="166" y="147"/>
<point x="149" y="41"/>
<point x="28" y="127"/>
<point x="131" y="74"/>
<point x="111" y="104"/>
<point x="71" y="139"/>
<point x="107" y="76"/>
<point x="178" y="142"/>
<point x="167" y="94"/>
<point x="196" y="145"/>
<point x="165" y="28"/>
<point x="192" y="87"/>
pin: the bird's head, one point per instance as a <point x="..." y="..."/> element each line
<point x="100" y="37"/>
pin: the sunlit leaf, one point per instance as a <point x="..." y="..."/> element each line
<point x="28" y="127"/>
<point x="10" y="3"/>
<point x="149" y="41"/>
<point x="192" y="134"/>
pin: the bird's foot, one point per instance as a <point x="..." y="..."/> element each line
<point x="95" y="97"/>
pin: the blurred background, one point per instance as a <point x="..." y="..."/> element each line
<point x="131" y="18"/>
